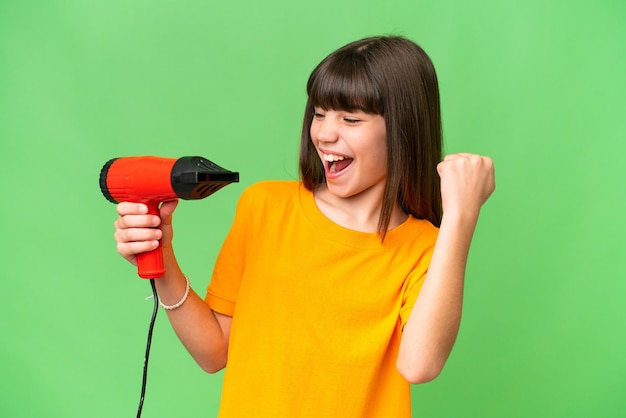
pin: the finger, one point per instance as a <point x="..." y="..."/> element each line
<point x="137" y="235"/>
<point x="457" y="156"/>
<point x="137" y="221"/>
<point x="487" y="161"/>
<point x="166" y="211"/>
<point x="130" y="249"/>
<point x="131" y="208"/>
<point x="467" y="158"/>
<point x="467" y="155"/>
<point x="448" y="161"/>
<point x="440" y="168"/>
<point x="462" y="155"/>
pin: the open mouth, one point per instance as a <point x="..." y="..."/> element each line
<point x="336" y="163"/>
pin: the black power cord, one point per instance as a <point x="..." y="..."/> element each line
<point x="148" y="344"/>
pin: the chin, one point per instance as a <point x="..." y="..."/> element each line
<point x="340" y="191"/>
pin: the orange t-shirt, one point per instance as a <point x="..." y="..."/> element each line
<point x="318" y="309"/>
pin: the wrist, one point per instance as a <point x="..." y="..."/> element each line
<point x="171" y="287"/>
<point x="180" y="301"/>
<point x="460" y="217"/>
<point x="458" y="227"/>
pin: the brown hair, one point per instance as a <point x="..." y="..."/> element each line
<point x="393" y="77"/>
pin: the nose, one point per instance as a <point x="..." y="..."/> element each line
<point x="324" y="130"/>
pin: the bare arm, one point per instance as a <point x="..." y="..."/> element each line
<point x="467" y="181"/>
<point x="204" y="333"/>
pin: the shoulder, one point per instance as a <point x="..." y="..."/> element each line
<point x="266" y="204"/>
<point x="427" y="227"/>
<point x="269" y="192"/>
<point x="427" y="230"/>
<point x="272" y="187"/>
<point x="416" y="233"/>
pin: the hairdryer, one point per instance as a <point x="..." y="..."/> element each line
<point x="152" y="180"/>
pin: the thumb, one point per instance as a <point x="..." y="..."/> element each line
<point x="166" y="210"/>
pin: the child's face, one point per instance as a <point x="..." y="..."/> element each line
<point x="353" y="149"/>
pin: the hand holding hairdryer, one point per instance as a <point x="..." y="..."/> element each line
<point x="152" y="180"/>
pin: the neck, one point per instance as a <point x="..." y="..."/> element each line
<point x="360" y="212"/>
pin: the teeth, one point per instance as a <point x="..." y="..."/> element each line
<point x="333" y="157"/>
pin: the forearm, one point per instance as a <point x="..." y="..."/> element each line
<point x="195" y="324"/>
<point x="433" y="325"/>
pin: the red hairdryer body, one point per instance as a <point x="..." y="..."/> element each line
<point x="152" y="180"/>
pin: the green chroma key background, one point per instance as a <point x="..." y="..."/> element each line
<point x="538" y="85"/>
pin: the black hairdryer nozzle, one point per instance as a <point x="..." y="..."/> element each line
<point x="197" y="177"/>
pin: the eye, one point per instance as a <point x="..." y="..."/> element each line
<point x="351" y="121"/>
<point x="318" y="113"/>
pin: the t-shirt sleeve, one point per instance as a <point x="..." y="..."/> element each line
<point x="410" y="295"/>
<point x="223" y="289"/>
<point x="416" y="278"/>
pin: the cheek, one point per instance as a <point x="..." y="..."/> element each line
<point x="381" y="152"/>
<point x="381" y="147"/>
<point x="313" y="132"/>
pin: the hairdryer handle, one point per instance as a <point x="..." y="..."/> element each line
<point x="150" y="264"/>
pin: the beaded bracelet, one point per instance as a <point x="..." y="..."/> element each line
<point x="181" y="301"/>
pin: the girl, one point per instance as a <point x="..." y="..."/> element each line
<point x="332" y="294"/>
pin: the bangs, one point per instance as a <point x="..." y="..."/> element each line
<point x="343" y="83"/>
